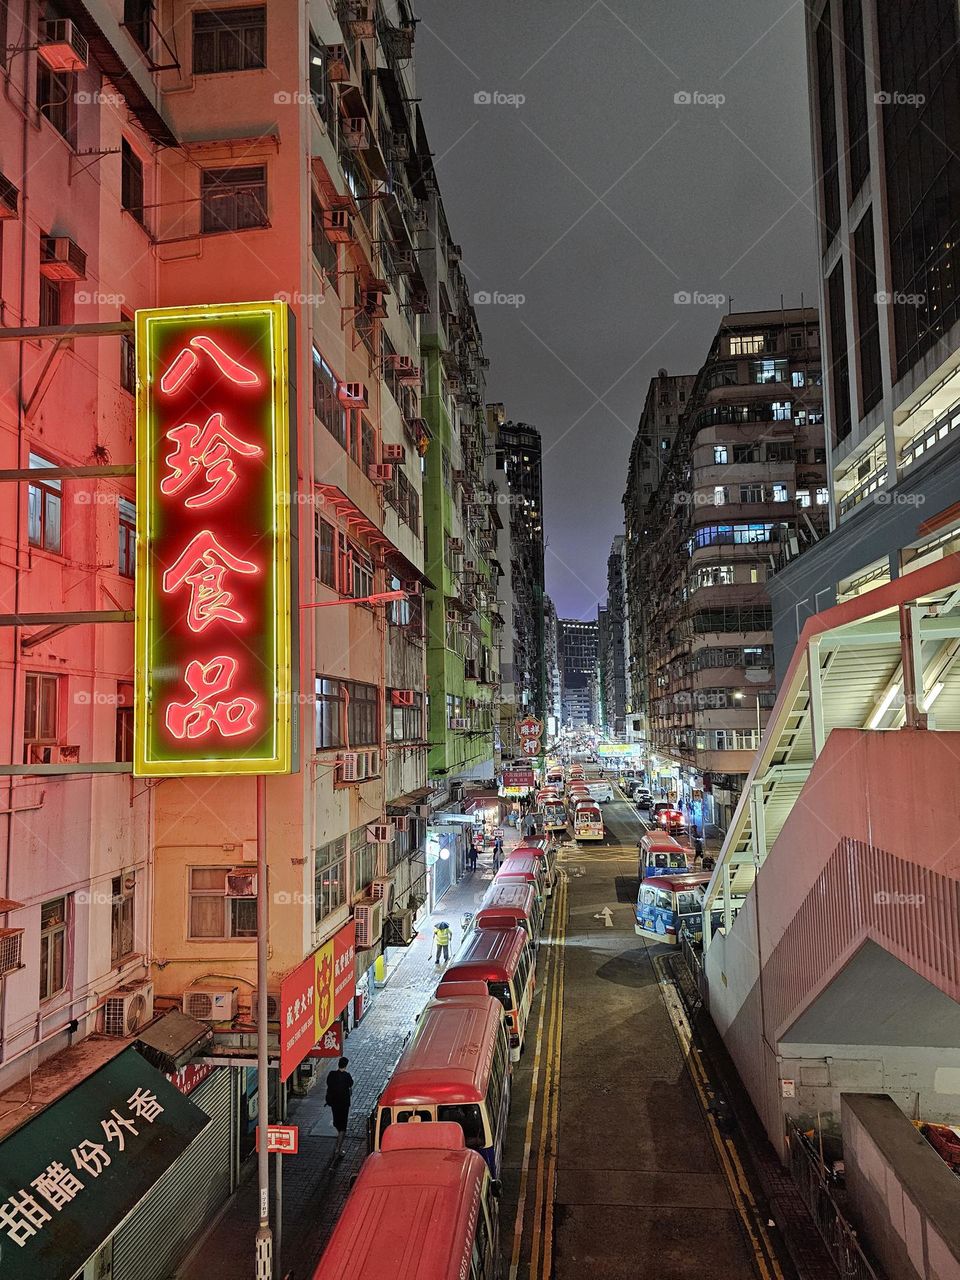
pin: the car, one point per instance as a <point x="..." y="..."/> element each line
<point x="661" y="806"/>
<point x="600" y="790"/>
<point x="642" y="796"/>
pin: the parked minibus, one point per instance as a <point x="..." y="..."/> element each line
<point x="664" y="903"/>
<point x="554" y="815"/>
<point x="588" y="822"/>
<point x="660" y="855"/>
<point x="509" y="905"/>
<point x="503" y="959"/>
<point x="524" y="866"/>
<point x="545" y="851"/>
<point x="457" y="1068"/>
<point x="422" y="1208"/>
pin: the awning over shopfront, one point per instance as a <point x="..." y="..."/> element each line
<point x="69" y="1176"/>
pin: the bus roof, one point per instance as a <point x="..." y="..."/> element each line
<point x="489" y="955"/>
<point x="509" y="893"/>
<point x="659" y="840"/>
<point x="685" y="880"/>
<point x="450" y="1056"/>
<point x="524" y="866"/>
<point x="412" y="1212"/>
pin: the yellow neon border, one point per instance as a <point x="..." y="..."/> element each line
<point x="281" y="761"/>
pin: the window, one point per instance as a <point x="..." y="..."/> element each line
<point x="746" y="453"/>
<point x="53" y="947"/>
<point x="44" y="509"/>
<point x="131" y="181"/>
<point x="363" y="719"/>
<point x="324" y="250"/>
<point x="122" y="917"/>
<point x="55" y="98"/>
<point x="233" y="199"/>
<point x="346" y="714"/>
<point x="803" y="497"/>
<point x="51" y="297"/>
<point x="138" y="19"/>
<point x="363" y="856"/>
<point x="324" y="555"/>
<point x="229" y="40"/>
<point x="721" y="495"/>
<point x="798" y="378"/>
<point x="128" y="360"/>
<point x="842" y="417"/>
<point x="328" y="709"/>
<point x="326" y="402"/>
<point x="781" y="493"/>
<point x="329" y="877"/>
<point x="868" y="317"/>
<point x="829" y="169"/>
<point x="41" y="712"/>
<point x="368" y="445"/>
<point x="211" y="913"/>
<point x="751" y="493"/>
<point x="782" y="410"/>
<point x="124" y="744"/>
<point x="748" y="345"/>
<point x="768" y="371"/>
<point x="823" y="496"/>
<point x="721" y="454"/>
<point x="127" y="550"/>
<point x="355" y="570"/>
<point x="405" y="723"/>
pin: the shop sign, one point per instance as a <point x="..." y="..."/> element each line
<point x="187" y="1078"/>
<point x="314" y="994"/>
<point x="213" y="687"/>
<point x="297" y="1001"/>
<point x="530" y="727"/>
<point x="69" y="1176"/>
<point x="331" y="1042"/>
<point x="530" y="746"/>
<point x="518" y="777"/>
<point x="335" y="977"/>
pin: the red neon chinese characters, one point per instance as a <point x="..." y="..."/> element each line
<point x="186" y="361"/>
<point x="202" y="565"/>
<point x="208" y="449"/>
<point x="207" y="710"/>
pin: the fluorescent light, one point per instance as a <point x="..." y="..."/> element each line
<point x="933" y="695"/>
<point x="884" y="706"/>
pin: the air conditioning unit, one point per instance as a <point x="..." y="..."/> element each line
<point x="210" y="1004"/>
<point x="348" y="763"/>
<point x="401" y="926"/>
<point x="383" y="890"/>
<point x="457" y="722"/>
<point x="368" y="915"/>
<point x="338" y="66"/>
<point x="356" y="16"/>
<point x="241" y="882"/>
<point x="453" y="382"/>
<point x="353" y="395"/>
<point x="469" y="566"/>
<point x="400" y="144"/>
<point x="452" y="615"/>
<point x="380" y="472"/>
<point x="61" y="46"/>
<point x="394" y="453"/>
<point x="355" y="133"/>
<point x="336" y="226"/>
<point x="422" y="810"/>
<point x="402" y="825"/>
<point x="9" y="198"/>
<point x="405" y="261"/>
<point x="454" y="254"/>
<point x="11" y="943"/>
<point x="62" y="259"/>
<point x="455" y="546"/>
<point x="403" y="697"/>
<point x="273" y="1006"/>
<point x="375" y="300"/>
<point x="128" y="1009"/>
<point x="380" y="833"/>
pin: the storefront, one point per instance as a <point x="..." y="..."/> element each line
<point x="447" y="838"/>
<point x="83" y="1181"/>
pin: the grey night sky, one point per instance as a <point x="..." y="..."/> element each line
<point x="599" y="198"/>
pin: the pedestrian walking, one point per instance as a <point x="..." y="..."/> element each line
<point x="339" y="1093"/>
<point x="441" y="936"/>
<point x="497" y="851"/>
<point x="473" y="858"/>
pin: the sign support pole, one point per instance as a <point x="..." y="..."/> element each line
<point x="278" y="1215"/>
<point x="264" y="1234"/>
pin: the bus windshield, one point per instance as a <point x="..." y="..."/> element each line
<point x="468" y="1117"/>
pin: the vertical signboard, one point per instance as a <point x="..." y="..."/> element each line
<point x="214" y="670"/>
<point x="336" y="979"/>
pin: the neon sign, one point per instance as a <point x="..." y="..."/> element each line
<point x="214" y="670"/>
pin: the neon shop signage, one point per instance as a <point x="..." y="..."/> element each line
<point x="213" y="632"/>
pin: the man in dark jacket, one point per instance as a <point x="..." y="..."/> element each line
<point x="339" y="1091"/>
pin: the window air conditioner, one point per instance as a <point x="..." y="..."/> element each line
<point x="61" y="46"/>
<point x="368" y="916"/>
<point x="210" y="1004"/>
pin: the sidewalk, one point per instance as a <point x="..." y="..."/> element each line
<point x="315" y="1188"/>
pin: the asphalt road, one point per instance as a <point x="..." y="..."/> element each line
<point x="611" y="1168"/>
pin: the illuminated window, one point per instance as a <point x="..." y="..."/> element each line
<point x="781" y="493"/>
<point x="748" y="345"/>
<point x="721" y="454"/>
<point x="823" y="496"/>
<point x="803" y="497"/>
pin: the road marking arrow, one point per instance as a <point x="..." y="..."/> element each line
<point x="606" y="915"/>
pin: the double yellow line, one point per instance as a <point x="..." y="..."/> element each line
<point x="551" y="1013"/>
<point x="768" y="1268"/>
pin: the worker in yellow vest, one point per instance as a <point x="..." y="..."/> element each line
<point x="441" y="936"/>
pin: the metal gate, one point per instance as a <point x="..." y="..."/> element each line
<point x="161" y="1228"/>
<point x="838" y="1235"/>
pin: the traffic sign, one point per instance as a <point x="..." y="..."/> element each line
<point x="283" y="1139"/>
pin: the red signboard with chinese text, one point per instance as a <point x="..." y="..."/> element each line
<point x="331" y="1042"/>
<point x="530" y="746"/>
<point x="297" y="1016"/>
<point x="518" y="777"/>
<point x="187" y="1078"/>
<point x="530" y="727"/>
<point x="214" y="667"/>
<point x="336" y="979"/>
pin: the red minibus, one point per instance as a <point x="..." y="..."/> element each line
<point x="503" y="959"/>
<point x="524" y="866"/>
<point x="456" y="1068"/>
<point x="422" y="1208"/>
<point x="661" y="855"/>
<point x="510" y="905"/>
<point x="544" y="850"/>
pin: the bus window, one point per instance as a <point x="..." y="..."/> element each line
<point x="523" y="972"/>
<point x="470" y="1120"/>
<point x="664" y="900"/>
<point x="413" y="1117"/>
<point x="384" y="1121"/>
<point x="688" y="903"/>
<point x="647" y="896"/>
<point x="501" y="991"/>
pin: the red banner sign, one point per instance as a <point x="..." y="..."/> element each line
<point x="188" y="1077"/>
<point x="297" y="1014"/>
<point x="518" y="777"/>
<point x="331" y="1042"/>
